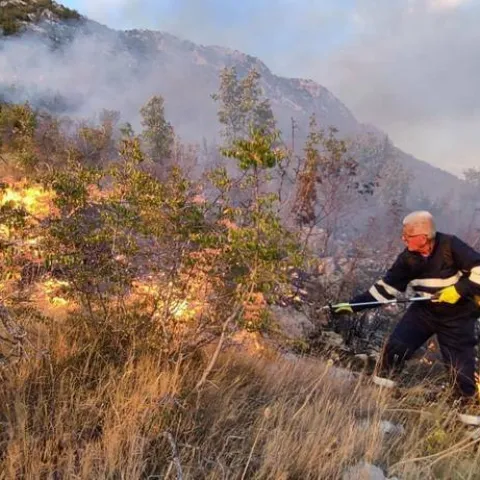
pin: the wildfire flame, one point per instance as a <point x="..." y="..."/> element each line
<point x="49" y="298"/>
<point x="180" y="309"/>
<point x="49" y="294"/>
<point x="151" y="289"/>
<point x="34" y="199"/>
<point x="53" y="288"/>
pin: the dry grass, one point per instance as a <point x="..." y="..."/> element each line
<point x="76" y="415"/>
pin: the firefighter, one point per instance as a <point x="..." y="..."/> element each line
<point x="447" y="269"/>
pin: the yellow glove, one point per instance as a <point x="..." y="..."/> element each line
<point x="342" y="309"/>
<point x="448" y="295"/>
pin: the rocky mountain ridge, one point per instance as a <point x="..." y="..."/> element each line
<point x="85" y="66"/>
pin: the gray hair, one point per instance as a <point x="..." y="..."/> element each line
<point x="422" y="221"/>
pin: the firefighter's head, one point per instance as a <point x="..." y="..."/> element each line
<point x="419" y="232"/>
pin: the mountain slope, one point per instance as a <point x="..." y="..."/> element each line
<point x="59" y="59"/>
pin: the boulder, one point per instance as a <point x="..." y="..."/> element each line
<point x="293" y="324"/>
<point x="365" y="471"/>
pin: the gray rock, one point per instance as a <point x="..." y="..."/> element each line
<point x="390" y="428"/>
<point x="332" y="338"/>
<point x="363" y="357"/>
<point x="342" y="374"/>
<point x="384" y="426"/>
<point x="294" y="324"/>
<point x="290" y="357"/>
<point x="365" y="471"/>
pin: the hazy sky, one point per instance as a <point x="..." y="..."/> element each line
<point x="411" y="67"/>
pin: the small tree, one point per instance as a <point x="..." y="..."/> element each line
<point x="95" y="145"/>
<point x="17" y="131"/>
<point x="472" y="176"/>
<point x="241" y="105"/>
<point x="327" y="180"/>
<point x="158" y="134"/>
<point x="257" y="247"/>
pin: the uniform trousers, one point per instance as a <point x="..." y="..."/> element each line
<point x="454" y="326"/>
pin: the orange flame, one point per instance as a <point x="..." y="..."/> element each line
<point x="34" y="199"/>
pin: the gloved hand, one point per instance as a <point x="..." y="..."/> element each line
<point x="342" y="309"/>
<point x="448" y="295"/>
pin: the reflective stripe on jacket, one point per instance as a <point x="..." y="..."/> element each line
<point x="452" y="262"/>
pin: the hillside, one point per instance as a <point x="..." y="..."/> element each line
<point x="58" y="59"/>
<point x="159" y="324"/>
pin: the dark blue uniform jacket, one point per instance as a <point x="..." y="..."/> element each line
<point x="452" y="262"/>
